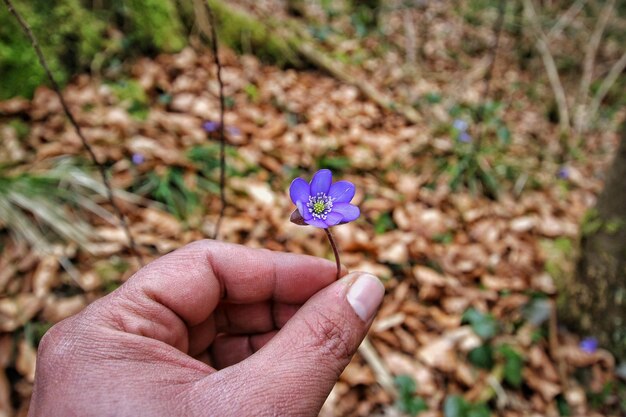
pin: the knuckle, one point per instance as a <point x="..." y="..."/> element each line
<point x="63" y="339"/>
<point x="50" y="340"/>
<point x="329" y="337"/>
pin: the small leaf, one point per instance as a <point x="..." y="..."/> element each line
<point x="482" y="357"/>
<point x="504" y="134"/>
<point x="513" y="364"/>
<point x="296" y="218"/>
<point x="416" y="406"/>
<point x="537" y="311"/>
<point x="407" y="401"/>
<point x="479" y="410"/>
<point x="484" y="325"/>
<point x="563" y="406"/>
<point x="455" y="406"/>
<point x="405" y="384"/>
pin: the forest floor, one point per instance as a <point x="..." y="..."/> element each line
<point x="471" y="279"/>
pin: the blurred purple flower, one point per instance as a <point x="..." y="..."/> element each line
<point x="321" y="203"/>
<point x="563" y="173"/>
<point x="465" y="137"/>
<point x="138" y="159"/>
<point x="233" y="130"/>
<point x="210" y="126"/>
<point x="588" y="344"/>
<point x="460" y="125"/>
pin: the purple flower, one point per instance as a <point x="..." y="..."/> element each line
<point x="464" y="137"/>
<point x="460" y="125"/>
<point x="138" y="159"/>
<point x="321" y="203"/>
<point x="563" y="173"/>
<point x="233" y="130"/>
<point x="210" y="126"/>
<point x="588" y="344"/>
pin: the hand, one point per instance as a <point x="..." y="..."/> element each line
<point x="141" y="350"/>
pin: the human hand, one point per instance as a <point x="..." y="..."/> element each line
<point x="138" y="351"/>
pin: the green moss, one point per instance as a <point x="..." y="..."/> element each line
<point x="155" y="24"/>
<point x="245" y="34"/>
<point x="68" y="34"/>
<point x="591" y="222"/>
<point x="132" y="97"/>
<point x="613" y="226"/>
<point x="22" y="128"/>
<point x="71" y="35"/>
<point x="560" y="257"/>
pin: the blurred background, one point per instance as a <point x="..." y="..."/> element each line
<point x="480" y="135"/>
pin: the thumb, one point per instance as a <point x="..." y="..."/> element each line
<point x="297" y="369"/>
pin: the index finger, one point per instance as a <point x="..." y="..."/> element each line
<point x="192" y="280"/>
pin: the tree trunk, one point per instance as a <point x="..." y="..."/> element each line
<point x="595" y="300"/>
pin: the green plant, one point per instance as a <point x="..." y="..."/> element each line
<point x="70" y="36"/>
<point x="513" y="364"/>
<point x="483" y="324"/>
<point x="457" y="406"/>
<point x="41" y="207"/>
<point x="407" y="401"/>
<point x="132" y="97"/>
<point x="480" y="140"/>
<point x="170" y="189"/>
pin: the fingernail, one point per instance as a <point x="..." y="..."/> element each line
<point x="365" y="295"/>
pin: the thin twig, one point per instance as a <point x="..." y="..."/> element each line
<point x="218" y="64"/>
<point x="565" y="19"/>
<point x="553" y="343"/>
<point x="497" y="28"/>
<point x="581" y="120"/>
<point x="550" y="66"/>
<point x="378" y="367"/>
<point x="409" y="37"/>
<point x="331" y="239"/>
<point x="55" y="86"/>
<point x="494" y="52"/>
<point x="614" y="73"/>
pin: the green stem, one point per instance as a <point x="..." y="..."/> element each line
<point x="335" y="251"/>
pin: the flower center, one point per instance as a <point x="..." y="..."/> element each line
<point x="320" y="205"/>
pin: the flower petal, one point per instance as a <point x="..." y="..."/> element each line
<point x="342" y="191"/>
<point x="299" y="191"/>
<point x="321" y="181"/>
<point x="348" y="211"/>
<point x="317" y="223"/>
<point x="304" y="212"/>
<point x="333" y="218"/>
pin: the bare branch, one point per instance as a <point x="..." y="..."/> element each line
<point x="409" y="37"/>
<point x="607" y="83"/>
<point x="550" y="66"/>
<point x="497" y="29"/>
<point x="55" y="86"/>
<point x="218" y="65"/>
<point x="565" y="19"/>
<point x="581" y="120"/>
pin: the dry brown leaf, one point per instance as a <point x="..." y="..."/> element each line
<point x="5" y="396"/>
<point x="577" y="357"/>
<point x="400" y="364"/>
<point x="548" y="390"/>
<point x="386" y="323"/>
<point x="26" y="360"/>
<point x="163" y="222"/>
<point x="439" y="354"/>
<point x="356" y="374"/>
<point x="45" y="275"/>
<point x="16" y="311"/>
<point x="57" y="309"/>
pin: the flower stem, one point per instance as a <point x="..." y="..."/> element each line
<point x="335" y="251"/>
